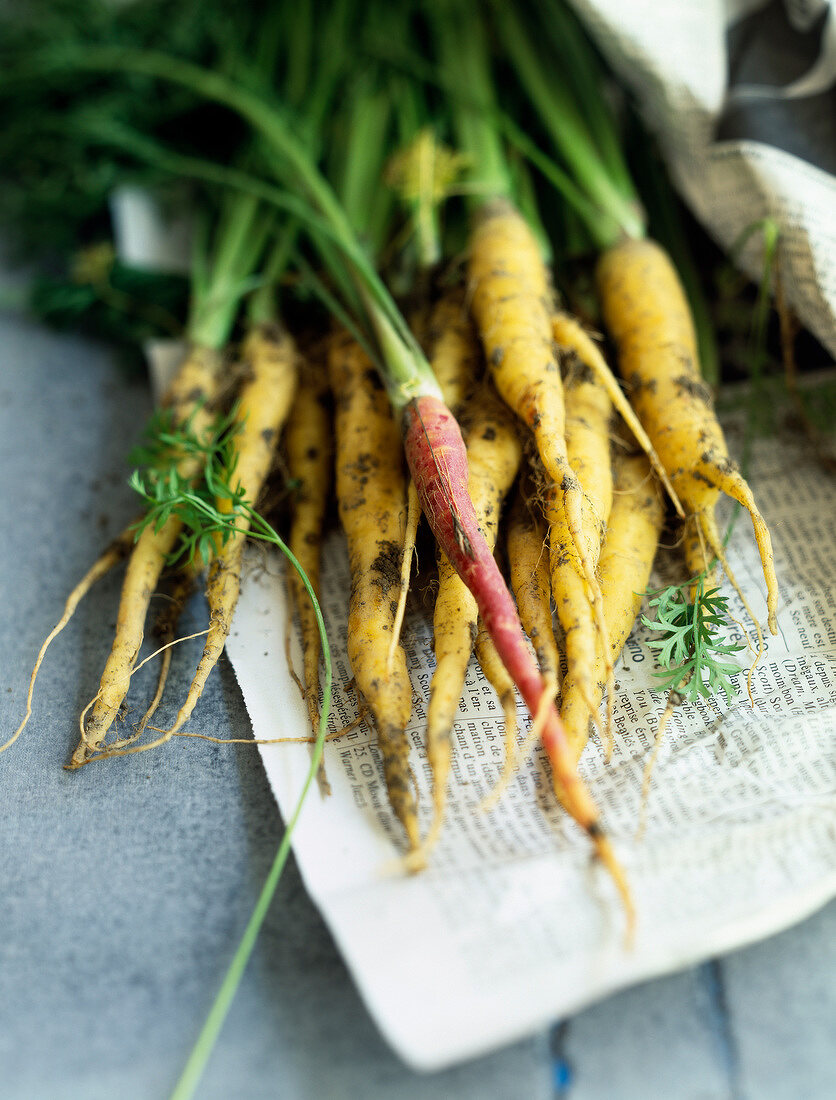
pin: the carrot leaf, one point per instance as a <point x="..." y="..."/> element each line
<point x="689" y="648"/>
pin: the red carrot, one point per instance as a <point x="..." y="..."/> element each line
<point x="437" y="460"/>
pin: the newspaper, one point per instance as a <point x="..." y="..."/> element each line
<point x="513" y="924"/>
<point x="741" y="96"/>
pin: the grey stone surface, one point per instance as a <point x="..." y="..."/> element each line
<point x="782" y="1012"/>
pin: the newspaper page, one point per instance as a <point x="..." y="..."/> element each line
<point x="513" y="924"/>
<point x="741" y="95"/>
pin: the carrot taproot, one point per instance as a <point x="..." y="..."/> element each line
<point x="588" y="413"/>
<point x="270" y="364"/>
<point x="646" y="311"/>
<point x="175" y="595"/>
<point x="309" y="451"/>
<point x="437" y="458"/>
<point x="454" y="352"/>
<point x="571" y="595"/>
<point x="627" y="553"/>
<point x="498" y="677"/>
<point x="372" y="502"/>
<point x="528" y="560"/>
<point x="494" y="452"/>
<point x="569" y="334"/>
<point x="512" y="304"/>
<point x="188" y="398"/>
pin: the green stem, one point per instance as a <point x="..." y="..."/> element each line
<point x="588" y="78"/>
<point x="300" y="56"/>
<point x="366" y="125"/>
<point x="277" y="135"/>
<point x="412" y="117"/>
<point x="261" y="306"/>
<point x="527" y="206"/>
<point x="240" y="241"/>
<point x="341" y="315"/>
<point x="264" y="117"/>
<point x="205" y="1044"/>
<point x="333" y="34"/>
<point x="598" y="227"/>
<point x="463" y="57"/>
<point x="569" y="132"/>
<point x="206" y="171"/>
<point x="408" y="374"/>
<point x="406" y="371"/>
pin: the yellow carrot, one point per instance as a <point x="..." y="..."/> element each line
<point x="588" y="414"/>
<point x="647" y="313"/>
<point x="177" y="591"/>
<point x="497" y="676"/>
<point x="528" y="558"/>
<point x="270" y="362"/>
<point x="512" y="303"/>
<point x="188" y="399"/>
<point x="571" y="336"/>
<point x="309" y="449"/>
<point x="627" y="554"/>
<point x="453" y="349"/>
<point x="372" y="499"/>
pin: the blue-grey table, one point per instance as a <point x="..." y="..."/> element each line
<point x="125" y="887"/>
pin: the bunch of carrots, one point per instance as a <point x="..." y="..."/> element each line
<point x="373" y="308"/>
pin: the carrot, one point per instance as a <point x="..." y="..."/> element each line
<point x="222" y="267"/>
<point x="270" y="362"/>
<point x="454" y="351"/>
<point x="371" y="495"/>
<point x="588" y="412"/>
<point x="580" y="639"/>
<point x="512" y="305"/>
<point x="175" y="595"/>
<point x="437" y="458"/>
<point x="570" y="335"/>
<point x="647" y="313"/>
<point x="497" y="676"/>
<point x="309" y="450"/>
<point x="627" y="554"/>
<point x="512" y="300"/>
<point x="528" y="557"/>
<point x="493" y="457"/>
<point x="188" y="399"/>
<point x="433" y="443"/>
